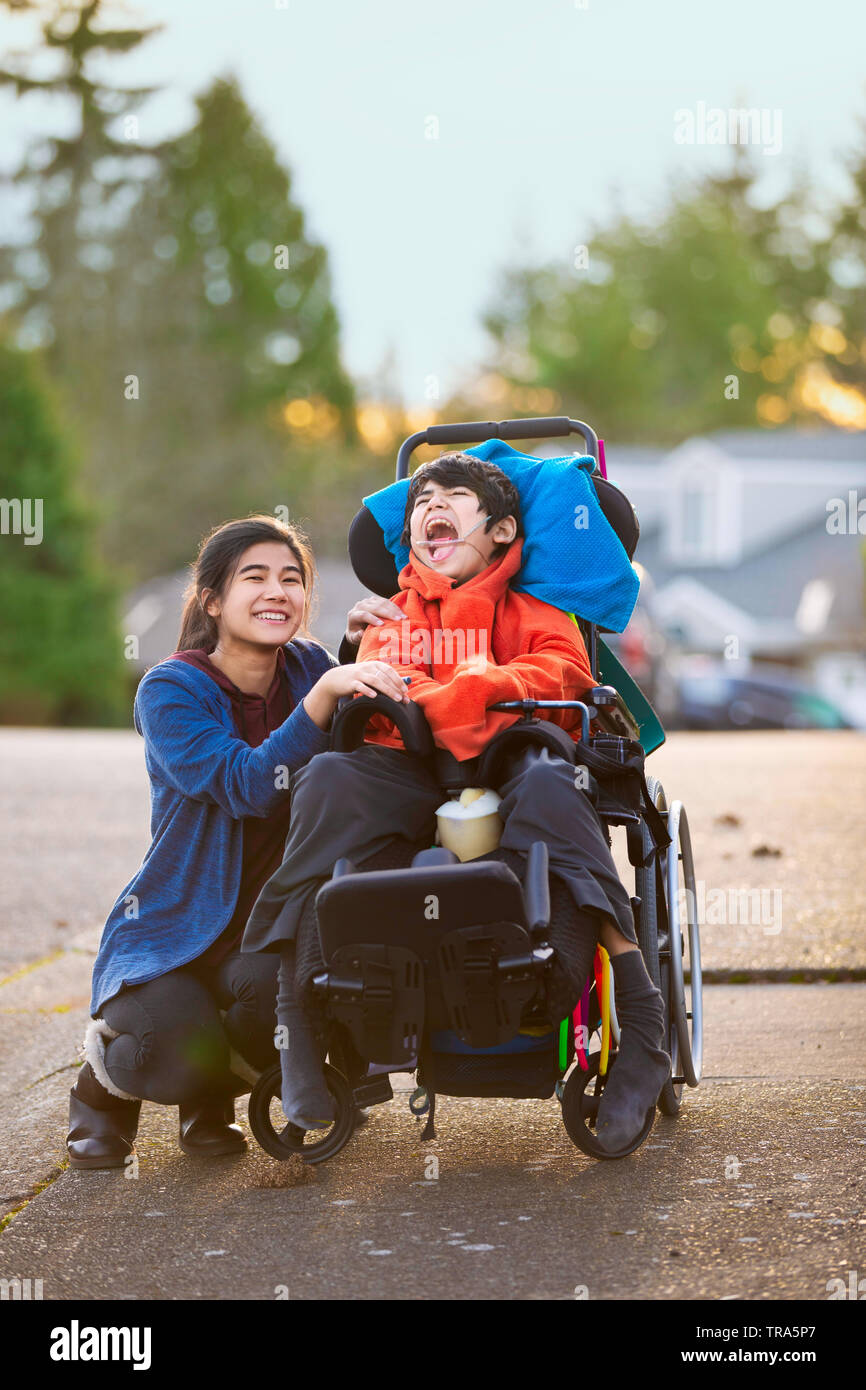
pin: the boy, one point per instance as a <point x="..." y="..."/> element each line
<point x="466" y="641"/>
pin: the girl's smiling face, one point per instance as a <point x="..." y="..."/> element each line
<point x="263" y="602"/>
<point x="449" y="514"/>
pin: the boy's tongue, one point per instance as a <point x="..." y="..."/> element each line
<point x="443" y="550"/>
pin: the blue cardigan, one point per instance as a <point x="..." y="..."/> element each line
<point x="203" y="781"/>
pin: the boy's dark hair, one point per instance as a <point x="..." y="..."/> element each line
<point x="493" y="488"/>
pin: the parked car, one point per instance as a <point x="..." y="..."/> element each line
<point x="711" y="696"/>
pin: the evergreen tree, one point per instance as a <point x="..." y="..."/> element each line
<point x="181" y="307"/>
<point x="78" y="186"/>
<point x="225" y="318"/>
<point x="61" y="657"/>
<point x="265" y="303"/>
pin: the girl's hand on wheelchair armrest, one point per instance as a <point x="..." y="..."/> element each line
<point x="372" y="609"/>
<point x="361" y="678"/>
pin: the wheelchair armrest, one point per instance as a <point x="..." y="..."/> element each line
<point x="352" y="717"/>
<point x="603" y="696"/>
<point x="536" y="888"/>
<point x="528" y="708"/>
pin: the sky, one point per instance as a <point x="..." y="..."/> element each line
<point x="432" y="145"/>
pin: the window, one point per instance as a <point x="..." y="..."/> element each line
<point x="704" y="511"/>
<point x="695" y="534"/>
<point x="695" y="518"/>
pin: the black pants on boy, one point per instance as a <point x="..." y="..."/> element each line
<point x="353" y="804"/>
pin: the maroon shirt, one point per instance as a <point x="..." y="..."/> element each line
<point x="264" y="838"/>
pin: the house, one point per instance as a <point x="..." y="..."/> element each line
<point x="755" y="536"/>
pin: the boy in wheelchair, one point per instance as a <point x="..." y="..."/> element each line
<point x="463" y="526"/>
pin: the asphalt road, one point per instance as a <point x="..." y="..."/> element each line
<point x="754" y="1191"/>
<point x="778" y="823"/>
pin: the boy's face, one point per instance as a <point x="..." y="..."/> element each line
<point x="446" y="514"/>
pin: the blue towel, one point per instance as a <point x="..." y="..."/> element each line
<point x="572" y="557"/>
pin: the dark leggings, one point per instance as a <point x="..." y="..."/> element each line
<point x="174" y="1046"/>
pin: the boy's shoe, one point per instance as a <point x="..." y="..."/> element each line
<point x="642" y="1066"/>
<point x="372" y="1090"/>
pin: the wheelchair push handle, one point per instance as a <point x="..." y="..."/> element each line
<point x="354" y="713"/>
<point x="476" y="431"/>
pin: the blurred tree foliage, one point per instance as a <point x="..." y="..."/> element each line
<point x="848" y="264"/>
<point x="78" y="187"/>
<point x="184" y="312"/>
<point x="61" y="657"/>
<point x="224" y="315"/>
<point x="721" y="314"/>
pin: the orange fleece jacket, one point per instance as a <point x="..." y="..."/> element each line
<point x="470" y="646"/>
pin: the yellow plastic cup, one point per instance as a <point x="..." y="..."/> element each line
<point x="470" y="825"/>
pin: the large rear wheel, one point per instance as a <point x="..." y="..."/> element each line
<point x="653" y="937"/>
<point x="685" y="950"/>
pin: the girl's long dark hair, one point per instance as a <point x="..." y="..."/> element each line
<point x="218" y="559"/>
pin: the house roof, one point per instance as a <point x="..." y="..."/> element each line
<point x="769" y="583"/>
<point x="842" y="446"/>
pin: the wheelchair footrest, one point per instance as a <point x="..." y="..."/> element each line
<point x="378" y="993"/>
<point x="487" y="976"/>
<point x="373" y="1090"/>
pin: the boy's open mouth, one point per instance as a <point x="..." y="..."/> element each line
<point x="442" y="537"/>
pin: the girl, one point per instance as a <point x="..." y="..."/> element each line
<point x="242" y="705"/>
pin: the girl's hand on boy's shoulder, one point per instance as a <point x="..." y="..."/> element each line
<point x="372" y="609"/>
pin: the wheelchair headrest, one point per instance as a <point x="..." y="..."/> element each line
<point x="371" y="559"/>
<point x="580" y="570"/>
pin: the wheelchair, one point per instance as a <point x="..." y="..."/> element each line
<point x="461" y="997"/>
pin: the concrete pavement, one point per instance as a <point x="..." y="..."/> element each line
<point x="755" y="1191"/>
<point x="778" y="814"/>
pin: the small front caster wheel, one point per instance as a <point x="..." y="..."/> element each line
<point x="580" y="1100"/>
<point x="280" y="1139"/>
